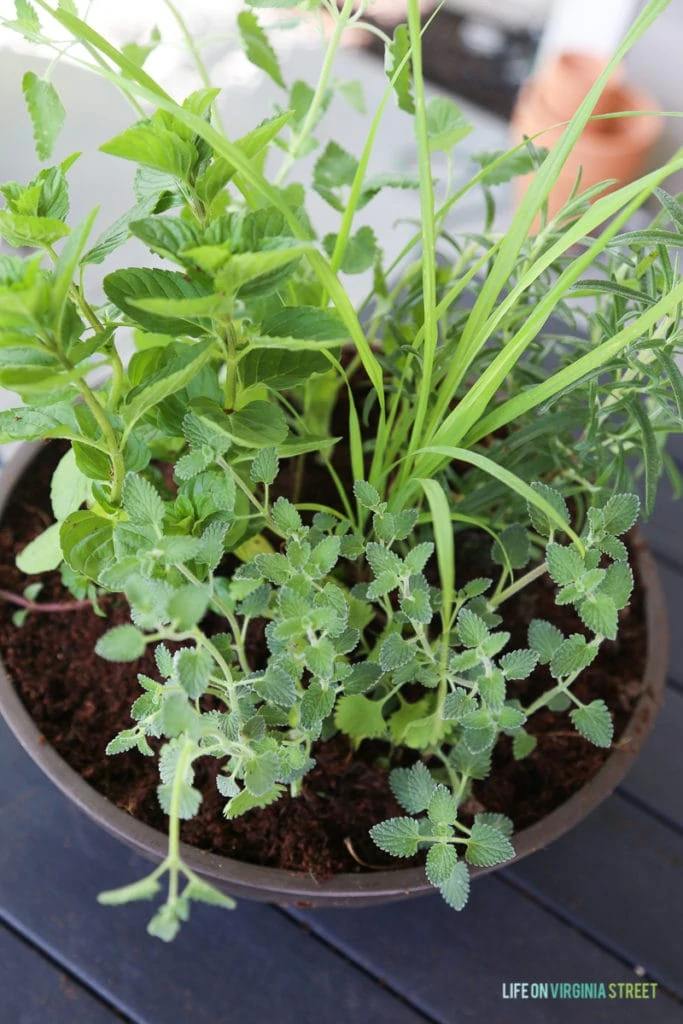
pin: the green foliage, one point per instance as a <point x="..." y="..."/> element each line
<point x="46" y="110"/>
<point x="398" y="836"/>
<point x="206" y="482"/>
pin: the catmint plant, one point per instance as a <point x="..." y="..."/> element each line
<point x="518" y="384"/>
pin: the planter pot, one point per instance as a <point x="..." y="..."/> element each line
<point x="612" y="149"/>
<point x="275" y="885"/>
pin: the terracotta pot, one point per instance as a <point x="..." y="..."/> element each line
<point x="612" y="149"/>
<point x="274" y="885"/>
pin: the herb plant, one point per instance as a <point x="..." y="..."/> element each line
<point x="526" y="413"/>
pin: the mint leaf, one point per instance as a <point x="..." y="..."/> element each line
<point x="599" y="613"/>
<point x="122" y="643"/>
<point x="366" y="495"/>
<point x="440" y="863"/>
<point x="334" y="170"/>
<point x="125" y="740"/>
<point x="446" y="124"/>
<point x="382" y="560"/>
<point x="154" y="146"/>
<point x="359" y="717"/>
<point x="142" y="501"/>
<point x="189" y="603"/>
<point x="413" y="787"/>
<point x="512" y="165"/>
<point x="539" y="520"/>
<point x="487" y="846"/>
<point x="417" y="557"/>
<point x="442" y="809"/>
<point x="316" y="705"/>
<point x="189" y="803"/>
<point x="264" y="466"/>
<point x="620" y="513"/>
<point x="395" y="652"/>
<point x="193" y="667"/>
<point x="519" y="664"/>
<point x="324" y="557"/>
<point x="513" y="542"/>
<point x="201" y="891"/>
<point x="145" y="889"/>
<point x="618" y="584"/>
<point x="69" y="488"/>
<point x="34" y="232"/>
<point x="43" y="554"/>
<point x="286" y="517"/>
<point x="257" y="48"/>
<point x="261" y="772"/>
<point x="510" y="717"/>
<point x="472" y="629"/>
<point x="164" y="660"/>
<point x="572" y="656"/>
<point x="277" y="687"/>
<point x="594" y="722"/>
<point x="523" y="744"/>
<point x="46" y="111"/>
<point x="397" y="836"/>
<point x="363" y="675"/>
<point x="456" y="889"/>
<point x="361" y="251"/>
<point x="544" y="638"/>
<point x="246" y="801"/>
<point x="273" y="567"/>
<point x="500" y="822"/>
<point x="565" y="564"/>
<point x="395" y="53"/>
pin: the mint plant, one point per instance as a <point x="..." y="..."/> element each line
<point x="529" y="417"/>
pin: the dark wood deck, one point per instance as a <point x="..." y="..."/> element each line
<point x="603" y="904"/>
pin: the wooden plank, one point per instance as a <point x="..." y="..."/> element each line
<point x="655" y="778"/>
<point x="250" y="965"/>
<point x="618" y="875"/>
<point x="33" y="991"/>
<point x="453" y="965"/>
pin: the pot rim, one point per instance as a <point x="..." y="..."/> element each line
<point x="280" y="885"/>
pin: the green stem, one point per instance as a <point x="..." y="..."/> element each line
<point x="319" y="96"/>
<point x="77" y="294"/>
<point x="263" y="512"/>
<point x="193" y="49"/>
<point x="173" y="859"/>
<point x="523" y="581"/>
<point x="428" y="234"/>
<point x="113" y="448"/>
<point x="230" y="387"/>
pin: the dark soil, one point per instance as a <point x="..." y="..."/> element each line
<point x="80" y="702"/>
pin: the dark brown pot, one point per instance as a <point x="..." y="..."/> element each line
<point x="273" y="885"/>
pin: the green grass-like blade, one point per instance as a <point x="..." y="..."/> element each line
<point x="530" y="399"/>
<point x="443" y="538"/>
<point x="504" y="476"/>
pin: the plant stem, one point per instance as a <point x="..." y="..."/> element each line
<point x="428" y="235"/>
<point x="115" y="453"/>
<point x="174" y="820"/>
<point x="230" y="388"/>
<point x="523" y="581"/>
<point x="319" y="96"/>
<point x="48" y="606"/>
